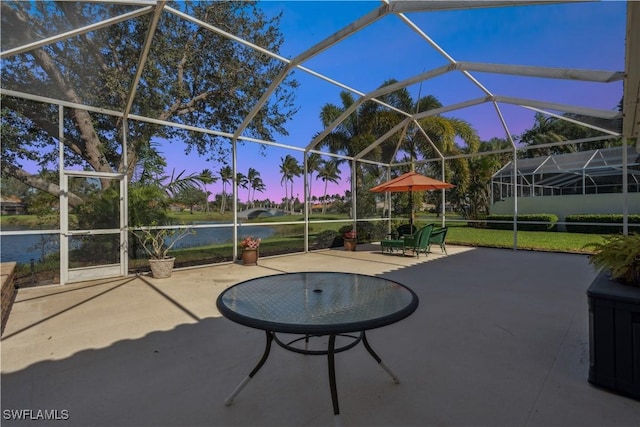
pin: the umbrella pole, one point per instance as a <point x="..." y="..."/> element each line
<point x="411" y="209"/>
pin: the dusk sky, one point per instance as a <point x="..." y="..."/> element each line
<point x="583" y="36"/>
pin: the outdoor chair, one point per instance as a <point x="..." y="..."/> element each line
<point x="395" y="240"/>
<point x="390" y="245"/>
<point x="406" y="229"/>
<point x="417" y="242"/>
<point x="402" y="230"/>
<point x="438" y="237"/>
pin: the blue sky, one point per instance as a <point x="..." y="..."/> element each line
<point x="574" y="36"/>
<point x="585" y="36"/>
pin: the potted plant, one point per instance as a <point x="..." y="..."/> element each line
<point x="350" y="241"/>
<point x="157" y="242"/>
<point x="250" y="246"/>
<point x="614" y="315"/>
<point x="619" y="256"/>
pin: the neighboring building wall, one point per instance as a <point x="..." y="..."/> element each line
<point x="610" y="203"/>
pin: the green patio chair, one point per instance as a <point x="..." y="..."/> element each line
<point x="406" y="229"/>
<point x="402" y="230"/>
<point x="438" y="237"/>
<point x="402" y="243"/>
<point x="396" y="238"/>
<point x="389" y="245"/>
<point x="419" y="241"/>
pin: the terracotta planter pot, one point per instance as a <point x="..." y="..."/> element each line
<point x="161" y="268"/>
<point x="350" y="244"/>
<point x="250" y="256"/>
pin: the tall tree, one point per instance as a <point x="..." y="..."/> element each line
<point x="226" y="176"/>
<point x="253" y="179"/>
<point x="370" y="121"/>
<point x="481" y="170"/>
<point x="362" y="127"/>
<point x="206" y="177"/>
<point x="289" y="168"/>
<point x="548" y="129"/>
<point x="190" y="197"/>
<point x="328" y="172"/>
<point x="283" y="182"/>
<point x="313" y="164"/>
<point x="193" y="74"/>
<point x="448" y="136"/>
<point x="257" y="184"/>
<point x="243" y="182"/>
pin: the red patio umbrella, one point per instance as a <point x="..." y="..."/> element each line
<point x="410" y="182"/>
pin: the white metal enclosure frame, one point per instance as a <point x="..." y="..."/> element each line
<point x="630" y="77"/>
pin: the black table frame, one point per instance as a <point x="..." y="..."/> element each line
<point x="309" y="331"/>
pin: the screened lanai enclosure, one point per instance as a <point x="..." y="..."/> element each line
<point x="120" y="117"/>
<point x="585" y="172"/>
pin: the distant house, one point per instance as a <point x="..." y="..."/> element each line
<point x="585" y="172"/>
<point x="587" y="182"/>
<point x="12" y="206"/>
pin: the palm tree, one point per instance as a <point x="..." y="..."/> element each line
<point x="289" y="168"/>
<point x="253" y="178"/>
<point x="313" y="164"/>
<point x="296" y="171"/>
<point x="546" y="130"/>
<point x="243" y="182"/>
<point x="257" y="185"/>
<point x="481" y="170"/>
<point x="444" y="132"/>
<point x="226" y="175"/>
<point x="370" y="121"/>
<point x="328" y="172"/>
<point x="361" y="128"/>
<point x="283" y="181"/>
<point x="206" y="177"/>
<point x="354" y="134"/>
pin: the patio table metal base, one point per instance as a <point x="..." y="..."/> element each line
<point x="337" y="307"/>
<point x="329" y="352"/>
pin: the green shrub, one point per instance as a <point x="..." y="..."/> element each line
<point x="344" y="229"/>
<point x="328" y="239"/>
<point x="379" y="231"/>
<point x="598" y="218"/>
<point x="549" y="222"/>
<point x="619" y="255"/>
<point x="365" y="231"/>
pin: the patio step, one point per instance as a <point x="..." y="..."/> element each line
<point x="8" y="292"/>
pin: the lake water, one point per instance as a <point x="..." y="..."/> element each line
<point x="23" y="249"/>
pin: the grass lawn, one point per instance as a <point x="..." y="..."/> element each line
<point x="535" y="240"/>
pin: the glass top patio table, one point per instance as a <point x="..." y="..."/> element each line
<point x="317" y="302"/>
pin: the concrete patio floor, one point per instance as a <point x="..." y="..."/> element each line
<point x="500" y="339"/>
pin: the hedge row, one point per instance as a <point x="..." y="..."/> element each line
<point x="599" y="218"/>
<point x="548" y="222"/>
<point x="365" y="232"/>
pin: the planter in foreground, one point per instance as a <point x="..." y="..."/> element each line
<point x="161" y="268"/>
<point x="614" y="336"/>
